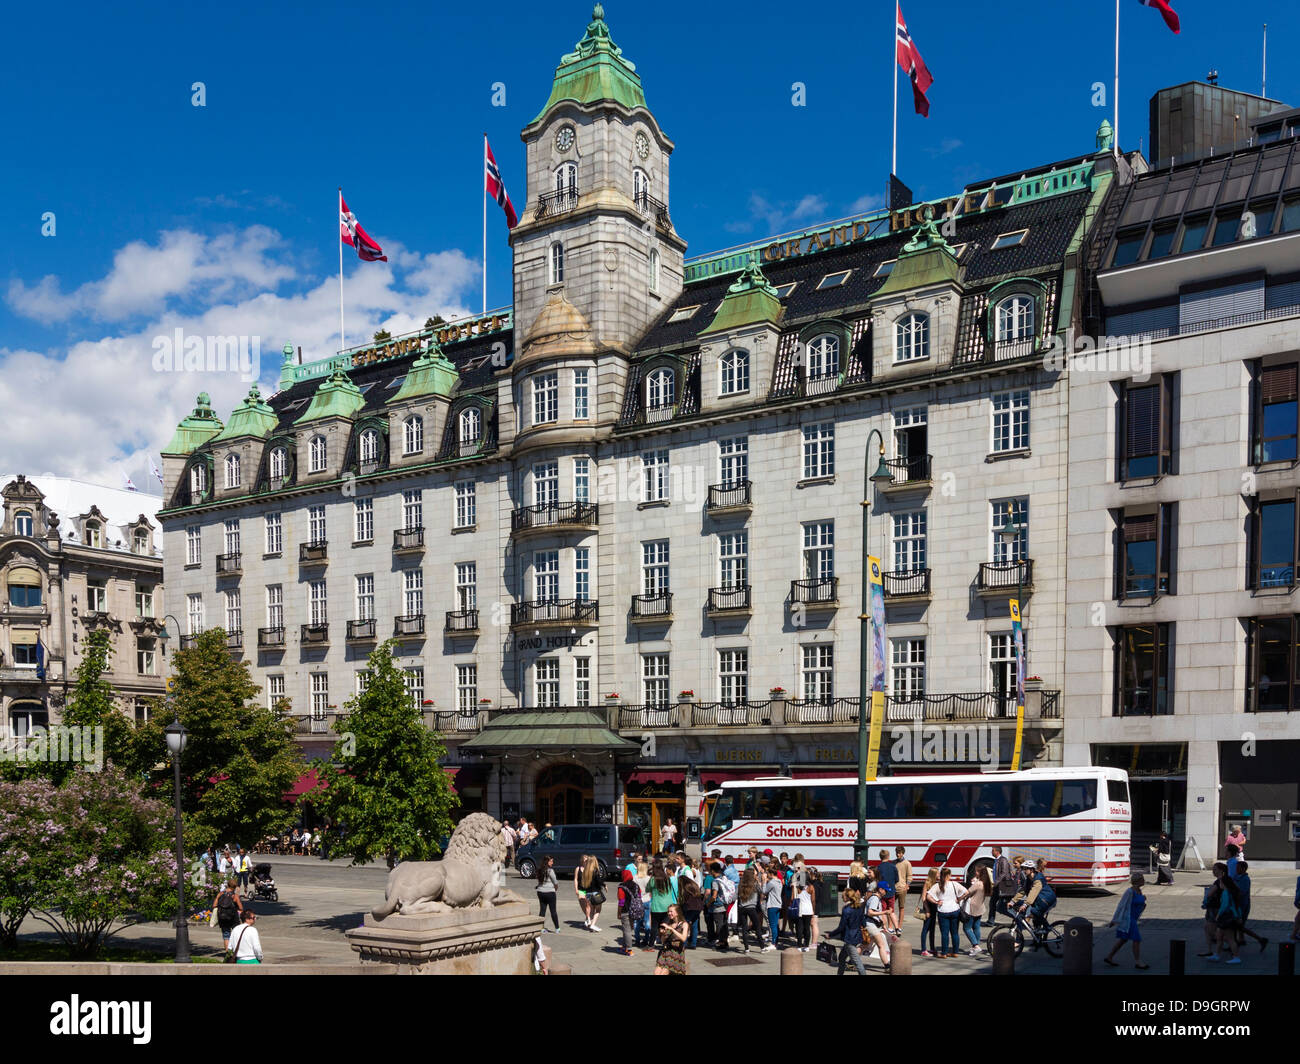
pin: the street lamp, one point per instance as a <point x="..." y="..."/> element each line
<point x="165" y="635"/>
<point x="176" y="737"/>
<point x="882" y="475"/>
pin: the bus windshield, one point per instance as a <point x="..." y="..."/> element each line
<point x="719" y="816"/>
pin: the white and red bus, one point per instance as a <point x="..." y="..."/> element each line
<point x="1075" y="818"/>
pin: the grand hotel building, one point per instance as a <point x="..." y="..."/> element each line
<point x="615" y="529"/>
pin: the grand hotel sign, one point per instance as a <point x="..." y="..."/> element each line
<point x="865" y="228"/>
<point x="414" y="343"/>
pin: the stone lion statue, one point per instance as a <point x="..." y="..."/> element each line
<point x="467" y="875"/>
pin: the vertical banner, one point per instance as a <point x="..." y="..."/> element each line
<point x="877" y="665"/>
<point x="1018" y="636"/>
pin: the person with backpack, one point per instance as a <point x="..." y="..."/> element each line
<point x="1242" y="879"/>
<point x="749" y="897"/>
<point x="228" y="906"/>
<point x="691" y="899"/>
<point x="1125" y="921"/>
<point x="887" y="872"/>
<point x="629" y="909"/>
<point x="850" y="930"/>
<point x="1039" y="896"/>
<point x="723" y="897"/>
<point x="1222" y="915"/>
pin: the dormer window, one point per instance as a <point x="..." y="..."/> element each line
<point x="23" y="523"/>
<point x="94" y="534"/>
<point x="566" y="181"/>
<point x="682" y="314"/>
<point x="369" y="449"/>
<point x="823" y="357"/>
<point x="640" y="189"/>
<point x="555" y="273"/>
<point x="833" y="280"/>
<point x="783" y="290"/>
<point x="471" y="425"/>
<point x="232" y="471"/>
<point x="279" y="463"/>
<point x="733" y="372"/>
<point x="140" y="541"/>
<point x="1008" y="240"/>
<point x="654" y="273"/>
<point x="316" y="455"/>
<point x="912" y="338"/>
<point x="198" y="481"/>
<point x="413" y="434"/>
<point x="885" y="268"/>
<point x="660" y="389"/>
<point x="1015" y="319"/>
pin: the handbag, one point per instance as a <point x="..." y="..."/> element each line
<point x="212" y="917"/>
<point x="826" y="952"/>
<point x="596" y="897"/>
<point x="229" y="958"/>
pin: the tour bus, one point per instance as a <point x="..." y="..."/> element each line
<point x="1075" y="818"/>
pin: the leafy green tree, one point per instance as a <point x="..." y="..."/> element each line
<point x="92" y="702"/>
<point x="240" y="757"/>
<point x="382" y="336"/>
<point x="383" y="784"/>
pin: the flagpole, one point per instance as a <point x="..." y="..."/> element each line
<point x="343" y="342"/>
<point x="893" y="65"/>
<point x="483" y="197"/>
<point x="1115" y="127"/>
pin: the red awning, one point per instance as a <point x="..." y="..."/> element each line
<point x="307" y="783"/>
<point x="650" y="775"/>
<point x="710" y="777"/>
<point x="451" y="771"/>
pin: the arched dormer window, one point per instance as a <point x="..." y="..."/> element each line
<point x="198" y="480"/>
<point x="640" y="189"/>
<point x="369" y="446"/>
<point x="23" y="523"/>
<point x="413" y="434"/>
<point x="279" y="465"/>
<point x="733" y="372"/>
<point x="1014" y="319"/>
<point x="470" y="427"/>
<point x="654" y="273"/>
<point x="233" y="478"/>
<point x="555" y="266"/>
<point x="94" y="534"/>
<point x="823" y="357"/>
<point x="566" y="182"/>
<point x="660" y="389"/>
<point x="317" y="455"/>
<point x="140" y="541"/>
<point x="912" y="337"/>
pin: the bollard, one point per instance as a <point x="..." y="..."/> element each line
<point x="1078" y="947"/>
<point x="561" y="969"/>
<point x="1003" y="951"/>
<point x="900" y="959"/>
<point x="1286" y="958"/>
<point x="791" y="962"/>
<point x="1177" y="956"/>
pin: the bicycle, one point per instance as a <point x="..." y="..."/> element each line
<point x="1036" y="931"/>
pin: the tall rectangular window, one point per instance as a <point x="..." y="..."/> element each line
<point x="316" y="524"/>
<point x="733" y="676"/>
<point x="1271" y="672"/>
<point x="320" y="695"/>
<point x="466" y="505"/>
<point x="412" y="510"/>
<point x="1144" y="556"/>
<point x="1002" y="670"/>
<point x="316" y="601"/>
<point x="413" y="681"/>
<point x="733" y="559"/>
<point x="96" y="596"/>
<point x="467" y="689"/>
<point x="193" y="548"/>
<point x="654" y="476"/>
<point x="366" y="597"/>
<point x="546" y="682"/>
<point x="1272" y="547"/>
<point x="194" y="613"/>
<point x="1010" y="421"/>
<point x="143" y="601"/>
<point x="582" y="681"/>
<point x="364" y="523"/>
<point x="654" y="568"/>
<point x="907" y="669"/>
<point x="817" y="672"/>
<point x="818" y="450"/>
<point x="1004" y="512"/>
<point x="546" y="575"/>
<point x="1146" y="426"/>
<point x="581" y="396"/>
<point x="274" y="691"/>
<point x="364" y="676"/>
<point x="582" y="480"/>
<point x="909" y="541"/>
<point x="1143" y="670"/>
<point x="1276" y="413"/>
<point x="234" y="612"/>
<point x="546" y="398"/>
<point x="274" y="606"/>
<point x="413" y="592"/>
<point x="654" y="680"/>
<point x="466" y="585"/>
<point x="274" y="528"/>
<point x="819" y="550"/>
<point x="232" y="536"/>
<point x="733" y="461"/>
<point x="582" y="574"/>
<point x="546" y="484"/>
<point x="144" y="658"/>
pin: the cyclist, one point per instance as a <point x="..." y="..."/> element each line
<point x="1039" y="899"/>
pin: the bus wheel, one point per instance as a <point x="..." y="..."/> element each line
<point x="984" y="863"/>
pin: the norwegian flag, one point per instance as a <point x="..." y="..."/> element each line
<point x="909" y="58"/>
<point x="350" y="232"/>
<point x="495" y="187"/>
<point x="1167" y="13"/>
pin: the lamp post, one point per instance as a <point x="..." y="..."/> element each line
<point x="882" y="475"/>
<point x="165" y="635"/>
<point x="175" y="733"/>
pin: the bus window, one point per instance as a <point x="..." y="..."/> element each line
<point x="770" y="803"/>
<point x="1117" y="790"/>
<point x="991" y="799"/>
<point x="888" y="802"/>
<point x="1039" y="798"/>
<point x="832" y="803"/>
<point x="1078" y="796"/>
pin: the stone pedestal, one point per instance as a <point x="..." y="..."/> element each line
<point x="496" y="941"/>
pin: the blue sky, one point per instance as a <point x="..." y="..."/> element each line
<point x="222" y="217"/>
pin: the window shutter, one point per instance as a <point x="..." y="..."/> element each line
<point x="1278" y="384"/>
<point x="1139" y="528"/>
<point x="1142" y="421"/>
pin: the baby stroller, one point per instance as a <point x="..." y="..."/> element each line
<point x="262" y="883"/>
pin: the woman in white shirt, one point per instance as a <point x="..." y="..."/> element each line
<point x="947" y="894"/>
<point x="804" y="896"/>
<point x="245" y="941"/>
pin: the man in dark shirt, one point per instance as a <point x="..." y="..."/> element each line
<point x="887" y="872"/>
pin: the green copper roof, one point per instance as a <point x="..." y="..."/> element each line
<point x="547" y="730"/>
<point x="749" y="301"/>
<point x="596" y="70"/>
<point x="252" y="417"/>
<point x="337" y="397"/>
<point x="430" y="374"/>
<point x="925" y="260"/>
<point x="196" y="429"/>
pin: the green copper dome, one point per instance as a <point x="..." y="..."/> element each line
<point x="252" y="417"/>
<point x="750" y="300"/>
<point x="430" y="374"/>
<point x="596" y="70"/>
<point x="925" y="260"/>
<point x="195" y="430"/>
<point x="337" y="397"/>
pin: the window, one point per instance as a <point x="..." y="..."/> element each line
<point x="582" y="480"/>
<point x="1144" y="555"/>
<point x="316" y="455"/>
<point x="582" y="681"/>
<point x="546" y="484"/>
<point x="818" y="450"/>
<point x="413" y="681"/>
<point x="320" y="695"/>
<point x="144" y="658"/>
<point x="1290" y="215"/>
<point x="1002" y="670"/>
<point x="194" y="613"/>
<point x="365" y="597"/>
<point x="316" y="525"/>
<point x="1143" y="670"/>
<point x="363" y="521"/>
<point x="97" y="596"/>
<point x="1146" y="427"/>
<point x="274" y="691"/>
<point x="1276" y="414"/>
<point x="193" y="545"/>
<point x="581" y="395"/>
<point x="909" y="541"/>
<point x="274" y="606"/>
<point x="833" y="280"/>
<point x="546" y="398"/>
<point x="817" y="672"/>
<point x="660" y="389"/>
<point x="23" y="523"/>
<point x="234" y="612"/>
<point x="783" y="290"/>
<point x="1272" y="543"/>
<point x="682" y="314"/>
<point x="654" y="568"/>
<point x="733" y="369"/>
<point x="1004" y="511"/>
<point x="1010" y="421"/>
<point x="198" y="481"/>
<point x="23" y="645"/>
<point x="94" y="534"/>
<point x="733" y="461"/>
<point x="911" y="441"/>
<point x="566" y="180"/>
<point x="232" y="537"/>
<point x="413" y="592"/>
<point x="546" y="682"/>
<point x="316" y="602"/>
<point x="640" y="188"/>
<point x="470" y="426"/>
<point x="279" y="466"/>
<point x="24" y="587"/>
<point x="1128" y="246"/>
<point x="412" y="510"/>
<point x="885" y="268"/>
<point x="546" y="576"/>
<point x="912" y="338"/>
<point x="654" y="680"/>
<point x="819" y="550"/>
<point x="1271" y="664"/>
<point x="654" y="273"/>
<point x="232" y="471"/>
<point x="413" y="434"/>
<point x="733" y="677"/>
<point x="143" y="601"/>
<point x="466" y="585"/>
<point x="582" y="574"/>
<point x="364" y="676"/>
<point x="1226" y="226"/>
<point x="823" y="357"/>
<point x="369" y="446"/>
<point x="733" y="559"/>
<point x="1008" y="240"/>
<point x="396" y="382"/>
<point x="466" y="507"/>
<point x="907" y="670"/>
<point x="1194" y="230"/>
<point x="1162" y="241"/>
<point x="467" y="689"/>
<point x="274" y="529"/>
<point x="139" y="541"/>
<point x="555" y="273"/>
<point x="1015" y="319"/>
<point x="654" y="476"/>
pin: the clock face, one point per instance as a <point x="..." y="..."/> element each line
<point x="564" y="138"/>
<point x="642" y="145"/>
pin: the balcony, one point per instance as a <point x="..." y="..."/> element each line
<point x="554" y="515"/>
<point x="447" y="722"/>
<point x="235" y="639"/>
<point x="724" y="498"/>
<point x="229" y="564"/>
<point x="313" y="553"/>
<point x="554" y="611"/>
<point x="650" y="207"/>
<point x="815" y="594"/>
<point x="315" y="723"/>
<point x="640" y="717"/>
<point x="1010" y="350"/>
<point x="315" y="635"/>
<point x="408" y="540"/>
<point x="361" y="631"/>
<point x="461" y="622"/>
<point x="556" y="203"/>
<point x="906" y="584"/>
<point x="728" y="600"/>
<point x="734" y="714"/>
<point x="973" y="706"/>
<point x="909" y="473"/>
<point x="270" y="637"/>
<point x="819" y="384"/>
<point x="1002" y="578"/>
<point x="408" y="626"/>
<point x="650" y="608"/>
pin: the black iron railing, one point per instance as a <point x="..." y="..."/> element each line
<point x="553" y="203"/>
<point x="728" y="599"/>
<point x="553" y="611"/>
<point x="1006" y="576"/>
<point x="651" y="606"/>
<point x="229" y="563"/>
<point x="361" y="629"/>
<point x="729" y="496"/>
<point x="270" y="637"/>
<point x="409" y="624"/>
<point x="912" y="470"/>
<point x="905" y="583"/>
<point x="235" y="639"/>
<point x="652" y="208"/>
<point x="315" y="634"/>
<point x="815" y="592"/>
<point x="549" y="515"/>
<point x="408" y="538"/>
<point x="313" y="552"/>
<point x="461" y="621"/>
